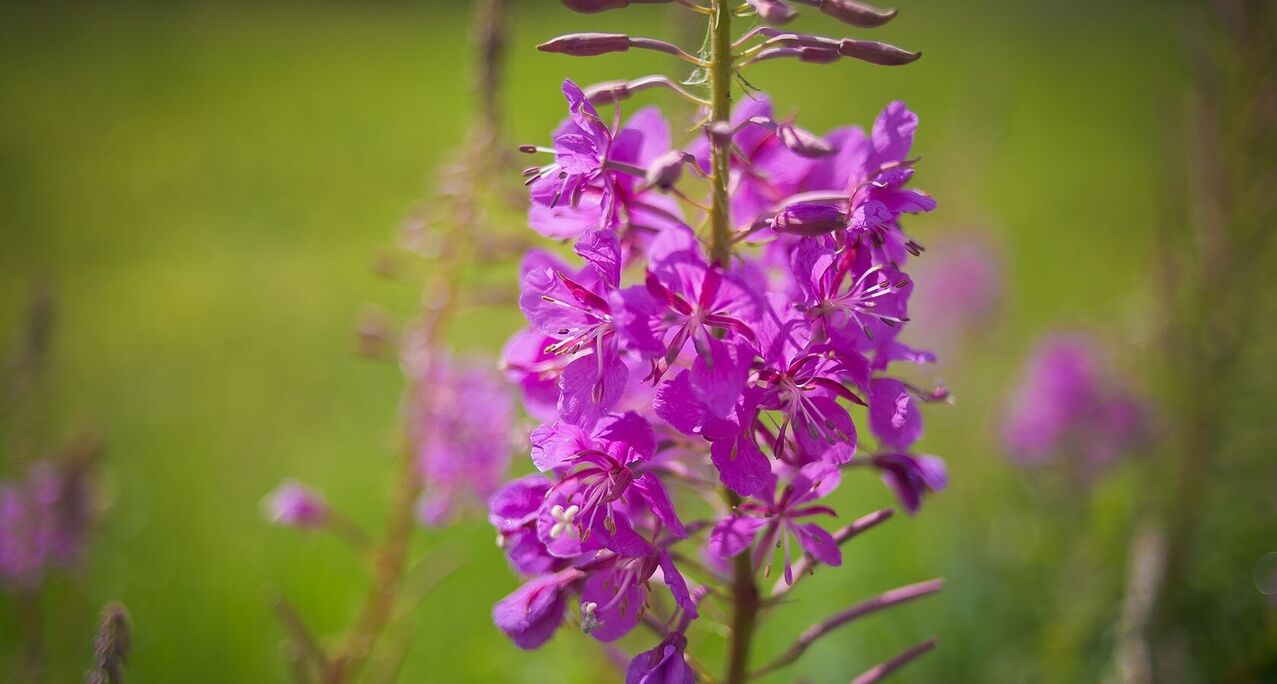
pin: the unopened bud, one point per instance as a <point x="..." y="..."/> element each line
<point x="856" y="13"/>
<point x="666" y="169"/>
<point x="818" y="55"/>
<point x="592" y="6"/>
<point x="876" y="53"/>
<point x="803" y="142"/>
<point x="773" y="11"/>
<point x="720" y="133"/>
<point x="587" y="44"/>
<point x="809" y="219"/>
<point x="607" y="92"/>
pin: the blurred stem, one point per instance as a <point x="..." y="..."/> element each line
<point x="390" y="555"/>
<point x="720" y="84"/>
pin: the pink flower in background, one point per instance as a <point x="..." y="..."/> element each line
<point x="293" y="504"/>
<point x="1068" y="405"/>
<point x="958" y="290"/>
<point x="459" y="417"/>
<point x="44" y="520"/>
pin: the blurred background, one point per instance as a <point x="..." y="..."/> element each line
<point x="204" y="192"/>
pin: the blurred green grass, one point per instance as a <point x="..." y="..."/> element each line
<point x="206" y="187"/>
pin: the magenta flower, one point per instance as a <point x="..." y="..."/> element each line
<point x="782" y="518"/>
<point x="858" y="305"/>
<point x="873" y="171"/>
<point x="600" y="471"/>
<point x="596" y="178"/>
<point x="1065" y="405"/>
<point x="685" y="299"/>
<point x="614" y="594"/>
<point x="575" y="309"/>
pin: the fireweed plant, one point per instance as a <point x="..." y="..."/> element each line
<point x="736" y="299"/>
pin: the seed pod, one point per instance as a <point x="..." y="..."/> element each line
<point x="803" y="142"/>
<point x="876" y="53"/>
<point x="587" y="44"/>
<point x="856" y="13"/>
<point x="773" y="11"/>
<point x="809" y="219"/>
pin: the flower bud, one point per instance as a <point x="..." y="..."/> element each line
<point x="773" y="11"/>
<point x="666" y="169"/>
<point x="803" y="142"/>
<point x="608" y="92"/>
<point x="294" y="505"/>
<point x="856" y="13"/>
<point x="809" y="219"/>
<point x="876" y="53"/>
<point x="818" y="55"/>
<point x="720" y="133"/>
<point x="587" y="44"/>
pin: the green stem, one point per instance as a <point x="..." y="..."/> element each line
<point x="720" y="84"/>
<point x="744" y="589"/>
<point x="745" y="605"/>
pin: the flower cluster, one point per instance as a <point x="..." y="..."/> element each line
<point x="1066" y="404"/>
<point x="44" y="519"/>
<point x="651" y="365"/>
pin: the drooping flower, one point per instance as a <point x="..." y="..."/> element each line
<point x="911" y="476"/>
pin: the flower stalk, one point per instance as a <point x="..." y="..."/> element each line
<point x="724" y="392"/>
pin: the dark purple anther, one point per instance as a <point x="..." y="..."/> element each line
<point x="876" y="53"/>
<point x="856" y="13"/>
<point x="587" y="44"/>
<point x="773" y="11"/>
<point x="809" y="219"/>
<point x="803" y="142"/>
